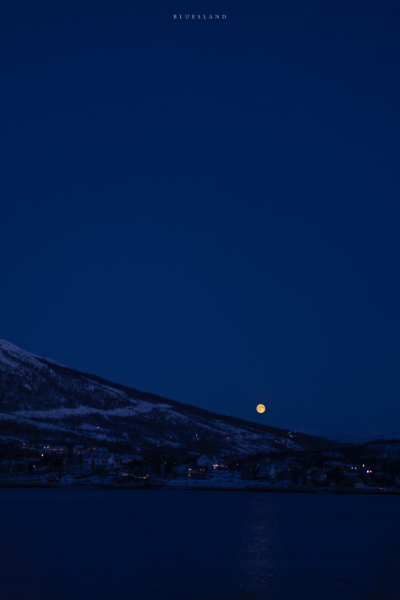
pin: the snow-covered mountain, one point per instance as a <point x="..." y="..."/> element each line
<point x="42" y="398"/>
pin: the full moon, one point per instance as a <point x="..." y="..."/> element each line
<point x="260" y="408"/>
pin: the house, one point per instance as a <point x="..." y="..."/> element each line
<point x="316" y="477"/>
<point x="89" y="458"/>
<point x="358" y="484"/>
<point x="55" y="449"/>
<point x="269" y="470"/>
<point x="354" y="480"/>
<point x="219" y="464"/>
<point x="265" y="471"/>
<point x="281" y="467"/>
<point x="99" y="460"/>
<point x="182" y="470"/>
<point x="317" y="474"/>
<point x="196" y="472"/>
<point x="354" y="468"/>
<point x="127" y="459"/>
<point x="205" y="461"/>
<point x="192" y="471"/>
<point x="334" y="464"/>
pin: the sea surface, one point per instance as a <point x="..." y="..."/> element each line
<point x="83" y="544"/>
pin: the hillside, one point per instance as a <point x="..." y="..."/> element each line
<point x="44" y="399"/>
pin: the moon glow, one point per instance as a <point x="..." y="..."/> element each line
<point x="260" y="408"/>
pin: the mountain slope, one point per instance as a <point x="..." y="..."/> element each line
<point x="41" y="395"/>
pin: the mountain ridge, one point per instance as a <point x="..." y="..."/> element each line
<point x="40" y="392"/>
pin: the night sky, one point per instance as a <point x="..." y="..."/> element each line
<point x="208" y="210"/>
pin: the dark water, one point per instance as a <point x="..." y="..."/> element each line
<point x="172" y="545"/>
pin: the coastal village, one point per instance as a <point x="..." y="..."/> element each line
<point x="62" y="427"/>
<point x="368" y="468"/>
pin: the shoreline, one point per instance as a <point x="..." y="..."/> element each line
<point x="44" y="485"/>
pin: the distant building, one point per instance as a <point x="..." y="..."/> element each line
<point x="334" y="464"/>
<point x="182" y="470"/>
<point x="315" y="475"/>
<point x="205" y="461"/>
<point x="352" y="479"/>
<point x="95" y="449"/>
<point x="354" y="468"/>
<point x="219" y="464"/>
<point x="99" y="460"/>
<point x="281" y="467"/>
<point x="54" y="449"/>
<point x="127" y="459"/>
<point x="265" y="471"/>
<point x="191" y="471"/>
<point x="196" y="472"/>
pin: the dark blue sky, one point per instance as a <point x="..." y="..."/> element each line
<point x="208" y="210"/>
